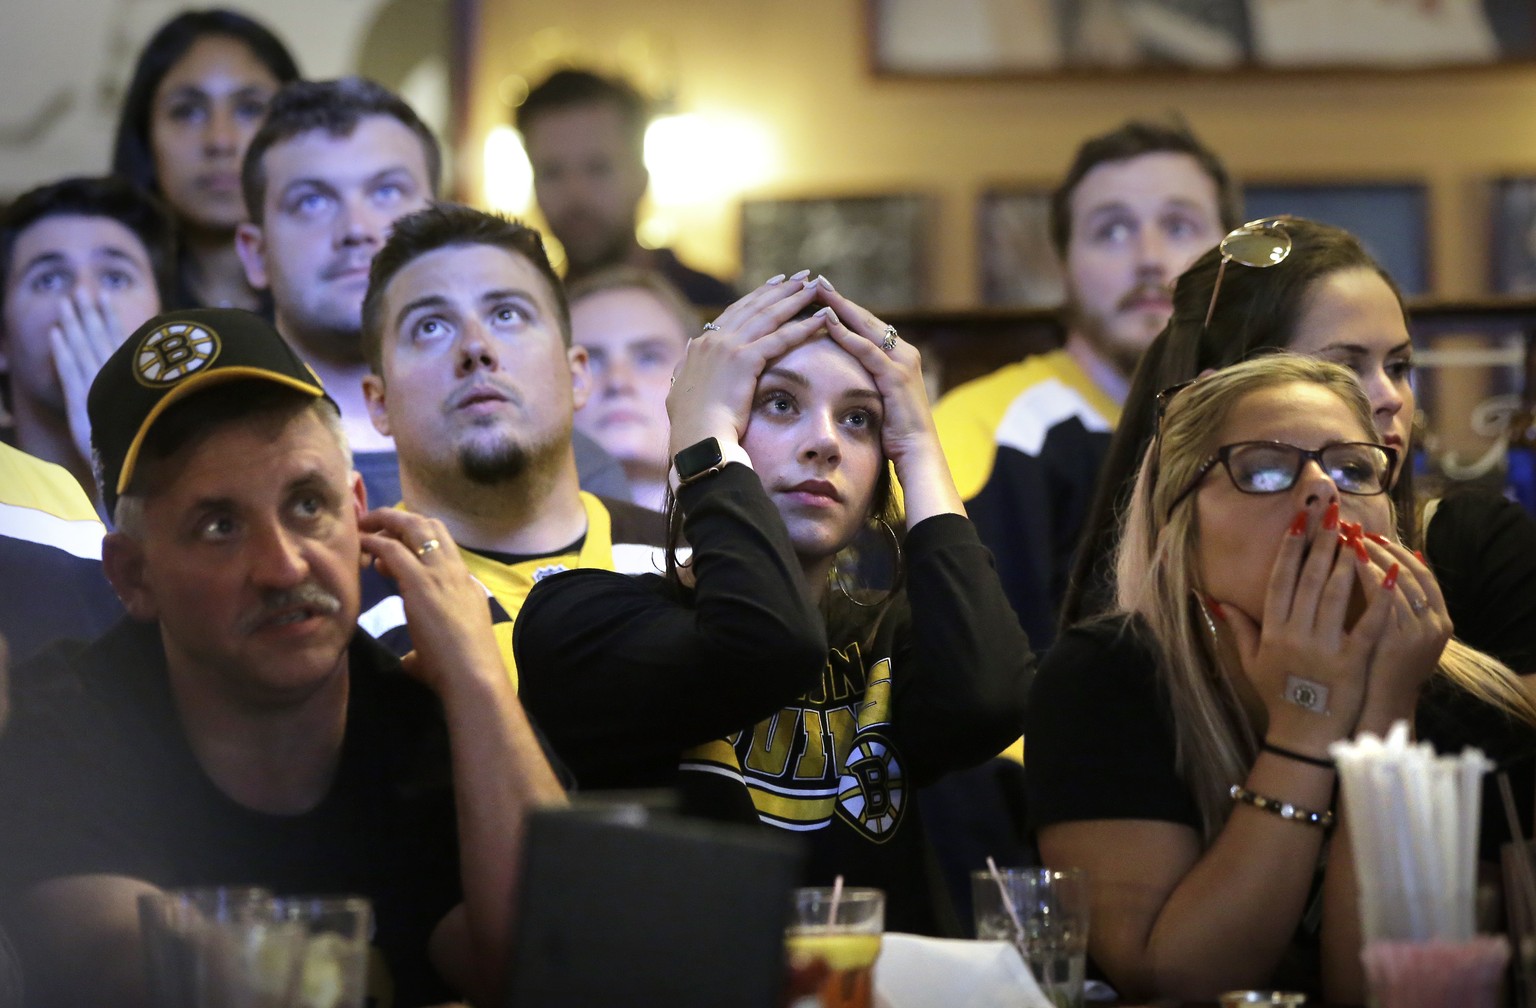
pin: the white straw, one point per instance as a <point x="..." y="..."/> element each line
<point x="1414" y="824"/>
<point x="837" y="895"/>
<point x="1002" y="890"/>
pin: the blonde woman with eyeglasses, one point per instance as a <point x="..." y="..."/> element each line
<point x="1295" y="284"/>
<point x="1178" y="750"/>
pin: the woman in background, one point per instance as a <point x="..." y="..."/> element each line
<point x="1266" y="608"/>
<point x="1319" y="292"/>
<point x="198" y="93"/>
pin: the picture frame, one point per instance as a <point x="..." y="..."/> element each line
<point x="872" y="247"/>
<point x="1512" y="257"/>
<point x="1019" y="266"/>
<point x="1390" y="217"/>
<point x="1034" y="38"/>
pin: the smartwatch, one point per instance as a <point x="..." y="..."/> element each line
<point x="698" y="460"/>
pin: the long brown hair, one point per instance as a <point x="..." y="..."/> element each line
<point x="1256" y="313"/>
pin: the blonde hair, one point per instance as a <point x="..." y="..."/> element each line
<point x="1156" y="579"/>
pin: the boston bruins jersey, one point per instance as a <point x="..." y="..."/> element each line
<point x="620" y="536"/>
<point x="730" y="691"/>
<point x="1025" y="445"/>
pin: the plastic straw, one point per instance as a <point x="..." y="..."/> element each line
<point x="837" y="896"/>
<point x="1415" y="818"/>
<point x="1002" y="890"/>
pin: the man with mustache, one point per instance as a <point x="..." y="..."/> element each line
<point x="1025" y="443"/>
<point x="332" y="167"/>
<point x="468" y="334"/>
<point x="237" y="728"/>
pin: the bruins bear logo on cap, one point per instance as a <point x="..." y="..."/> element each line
<point x="173" y="351"/>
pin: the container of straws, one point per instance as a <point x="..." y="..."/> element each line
<point x="1414" y="819"/>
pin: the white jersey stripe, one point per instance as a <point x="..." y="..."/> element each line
<point x="1041" y="407"/>
<point x="81" y="538"/>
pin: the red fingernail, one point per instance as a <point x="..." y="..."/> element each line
<point x="1331" y="516"/>
<point x="1299" y="524"/>
<point x="1389" y="580"/>
<point x="1215" y="608"/>
<point x="1352" y="530"/>
<point x="1378" y="538"/>
<point x="1420" y="556"/>
<point x="1360" y="551"/>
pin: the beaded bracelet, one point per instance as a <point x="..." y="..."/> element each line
<point x="1283" y="809"/>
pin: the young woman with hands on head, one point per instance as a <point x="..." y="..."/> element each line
<point x="754" y="675"/>
<point x="1178" y="748"/>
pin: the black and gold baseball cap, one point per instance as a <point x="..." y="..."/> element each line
<point x="169" y="358"/>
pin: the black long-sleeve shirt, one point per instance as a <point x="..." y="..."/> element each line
<point x="731" y="690"/>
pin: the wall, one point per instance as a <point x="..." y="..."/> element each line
<point x="802" y="71"/>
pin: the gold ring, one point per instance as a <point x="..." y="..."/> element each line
<point x="428" y="547"/>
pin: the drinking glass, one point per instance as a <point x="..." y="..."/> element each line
<point x="334" y="973"/>
<point x="1044" y="913"/>
<point x="1272" y="998"/>
<point x="844" y="933"/>
<point x="218" y="947"/>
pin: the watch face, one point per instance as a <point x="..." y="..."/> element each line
<point x="698" y="458"/>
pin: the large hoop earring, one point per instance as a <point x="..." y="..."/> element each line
<point x="840" y="583"/>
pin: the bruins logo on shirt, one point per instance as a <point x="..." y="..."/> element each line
<point x="173" y="351"/>
<point x="871" y="794"/>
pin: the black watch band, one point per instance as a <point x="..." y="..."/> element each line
<point x="697" y="461"/>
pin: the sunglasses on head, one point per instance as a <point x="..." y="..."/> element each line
<point x="1260" y="244"/>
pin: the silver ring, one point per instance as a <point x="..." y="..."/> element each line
<point x="1418" y="605"/>
<point x="427" y="547"/>
<point x="889" y="343"/>
<point x="711" y="327"/>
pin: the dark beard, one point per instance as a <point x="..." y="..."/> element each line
<point x="491" y="465"/>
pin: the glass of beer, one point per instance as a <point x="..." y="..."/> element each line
<point x="844" y="933"/>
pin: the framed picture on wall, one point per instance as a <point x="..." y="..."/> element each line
<point x="1019" y="267"/>
<point x="970" y="38"/>
<point x="1391" y="219"/>
<point x="871" y="247"/>
<point x="1513" y="259"/>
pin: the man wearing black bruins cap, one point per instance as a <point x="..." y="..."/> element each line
<point x="236" y="728"/>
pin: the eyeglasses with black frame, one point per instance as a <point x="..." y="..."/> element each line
<point x="1265" y="467"/>
<point x="1259" y="244"/>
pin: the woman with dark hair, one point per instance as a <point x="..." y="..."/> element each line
<point x="756" y="676"/>
<point x="1295" y="284"/>
<point x="197" y="94"/>
<point x="1266" y="607"/>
